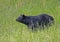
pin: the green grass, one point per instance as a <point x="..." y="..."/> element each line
<point x="12" y="31"/>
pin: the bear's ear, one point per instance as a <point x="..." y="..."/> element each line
<point x="23" y="16"/>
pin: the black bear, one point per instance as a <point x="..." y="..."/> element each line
<point x="34" y="22"/>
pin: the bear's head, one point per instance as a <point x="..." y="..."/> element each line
<point x="21" y="18"/>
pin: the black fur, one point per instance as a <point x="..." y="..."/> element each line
<point x="34" y="22"/>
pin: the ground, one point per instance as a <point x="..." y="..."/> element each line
<point x="12" y="31"/>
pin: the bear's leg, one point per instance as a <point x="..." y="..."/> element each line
<point x="31" y="26"/>
<point x="42" y="26"/>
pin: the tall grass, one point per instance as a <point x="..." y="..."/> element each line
<point x="12" y="31"/>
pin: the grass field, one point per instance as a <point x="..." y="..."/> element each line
<point x="12" y="31"/>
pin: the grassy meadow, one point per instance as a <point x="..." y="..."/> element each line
<point x="12" y="31"/>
